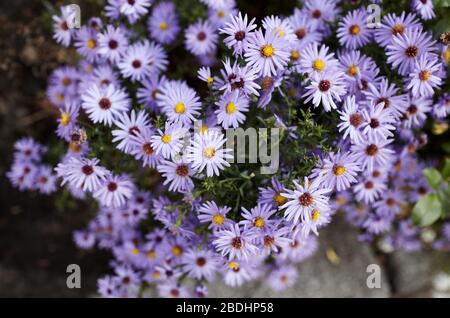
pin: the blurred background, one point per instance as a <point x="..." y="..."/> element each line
<point x="36" y="231"/>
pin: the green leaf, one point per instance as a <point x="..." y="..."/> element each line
<point x="427" y="210"/>
<point x="446" y="170"/>
<point x="444" y="197"/>
<point x="433" y="176"/>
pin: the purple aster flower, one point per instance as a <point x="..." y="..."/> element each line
<point x="104" y="105"/>
<point x="232" y="107"/>
<point x="112" y="43"/>
<point x="22" y="175"/>
<point x="169" y="142"/>
<point x="82" y="173"/>
<point x="305" y="31"/>
<point x="282" y="27"/>
<point x="142" y="148"/>
<point x="325" y="89"/>
<point x="204" y="74"/>
<point x="239" y="31"/>
<point x="416" y="112"/>
<point x="163" y="24"/>
<point x="218" y="17"/>
<point x="179" y="102"/>
<point x="442" y="108"/>
<point x="378" y="122"/>
<point x="377" y="224"/>
<point x="386" y="93"/>
<point x="45" y="180"/>
<point x="206" y="151"/>
<point x="235" y="243"/>
<point x="351" y="120"/>
<point x="258" y="217"/>
<point x="272" y="194"/>
<point x="27" y="149"/>
<point x="369" y="189"/>
<point x="373" y="154"/>
<point x="282" y="278"/>
<point x="304" y="200"/>
<point x="201" y="38"/>
<point x="390" y="203"/>
<point x="407" y="48"/>
<point x="142" y="60"/>
<point x="237" y="272"/>
<point x="148" y="94"/>
<point x="238" y="78"/>
<point x="129" y="125"/>
<point x="424" y="8"/>
<point x="300" y="248"/>
<point x="84" y="239"/>
<point x="320" y="11"/>
<point x="134" y="9"/>
<point x="315" y="61"/>
<point x="63" y="25"/>
<point x="173" y="290"/>
<point x="267" y="53"/>
<point x="209" y="212"/>
<point x="424" y="76"/>
<point x="86" y="43"/>
<point x="352" y="31"/>
<point x="201" y="264"/>
<point x="339" y="171"/>
<point x="178" y="173"/>
<point x="393" y="25"/>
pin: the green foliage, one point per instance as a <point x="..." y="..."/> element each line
<point x="427" y="210"/>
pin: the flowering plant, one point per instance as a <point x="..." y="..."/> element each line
<point x="150" y="112"/>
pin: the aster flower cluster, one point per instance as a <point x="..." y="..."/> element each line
<point x="149" y="148"/>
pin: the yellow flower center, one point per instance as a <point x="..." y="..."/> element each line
<point x="203" y="129"/>
<point x="267" y="50"/>
<point x="231" y="108"/>
<point x="151" y="255"/>
<point x="398" y="28"/>
<point x="177" y="250"/>
<point x="210" y="80"/>
<point x="91" y="44"/>
<point x="292" y="92"/>
<point x="135" y="251"/>
<point x="353" y="70"/>
<point x="318" y="65"/>
<point x="156" y="275"/>
<point x="65" y="119"/>
<point x="209" y="152"/>
<point x="74" y="147"/>
<point x="60" y="97"/>
<point x="259" y="222"/>
<point x="424" y="75"/>
<point x="295" y="55"/>
<point x="218" y="219"/>
<point x="220" y="14"/>
<point x="180" y="108"/>
<point x="279" y="32"/>
<point x="315" y="215"/>
<point x="354" y="29"/>
<point x="446" y="55"/>
<point x="166" y="139"/>
<point x="338" y="170"/>
<point x="234" y="266"/>
<point x="279" y="199"/>
<point x="163" y="26"/>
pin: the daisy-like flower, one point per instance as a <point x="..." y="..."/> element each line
<point x="148" y="94"/>
<point x="267" y="53"/>
<point x="315" y="61"/>
<point x="178" y="174"/>
<point x="258" y="217"/>
<point x="115" y="191"/>
<point x="201" y="264"/>
<point x="45" y="180"/>
<point x="424" y="8"/>
<point x="27" y="149"/>
<point x="87" y="44"/>
<point x="339" y="171"/>
<point x="143" y="59"/>
<point x="104" y="105"/>
<point x="173" y="290"/>
<point x="390" y="203"/>
<point x="305" y="31"/>
<point x="282" y="27"/>
<point x="304" y="200"/>
<point x="82" y="173"/>
<point x="359" y="69"/>
<point x="163" y="24"/>
<point x="272" y="195"/>
<point x="235" y="243"/>
<point x="237" y="272"/>
<point x="282" y="278"/>
<point x="63" y="25"/>
<point x="239" y="78"/>
<point x="179" y="102"/>
<point x="423" y="78"/>
<point x="274" y="239"/>
<point x="392" y="25"/>
<point x="218" y="17"/>
<point x="442" y="108"/>
<point x="386" y="93"/>
<point x="142" y="149"/>
<point x="207" y="151"/>
<point x="378" y="123"/>
<point x="169" y="142"/>
<point x="318" y="219"/>
<point x="239" y="31"/>
<point x="201" y="38"/>
<point x="232" y="107"/>
<point x="67" y="120"/>
<point x="371" y="154"/>
<point x="325" y="89"/>
<point x="407" y="48"/>
<point x="84" y="239"/>
<point x="369" y="189"/>
<point x="204" y="74"/>
<point x="320" y="11"/>
<point x="416" y="112"/>
<point x="351" y="120"/>
<point x="129" y="126"/>
<point x="134" y="9"/>
<point x="352" y="31"/>
<point x="112" y="43"/>
<point x="209" y="212"/>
